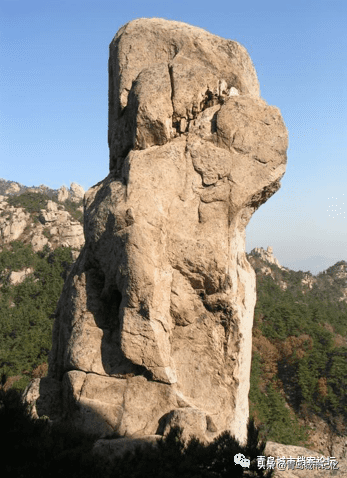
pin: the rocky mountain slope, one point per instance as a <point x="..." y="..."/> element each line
<point x="41" y="216"/>
<point x="41" y="234"/>
<point x="13" y="188"/>
<point x="300" y="351"/>
<point x="331" y="283"/>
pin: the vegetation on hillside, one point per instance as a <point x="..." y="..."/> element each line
<point x="35" y="448"/>
<point x="34" y="202"/>
<point x="268" y="407"/>
<point x="301" y="364"/>
<point x="72" y="208"/>
<point x="31" y="202"/>
<point x="26" y="309"/>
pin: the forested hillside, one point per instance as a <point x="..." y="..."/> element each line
<point x="26" y="310"/>
<point x="32" y="272"/>
<point x="299" y="366"/>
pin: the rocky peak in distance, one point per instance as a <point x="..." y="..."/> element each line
<point x="41" y="216"/>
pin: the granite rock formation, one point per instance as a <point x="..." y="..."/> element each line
<point x="55" y="227"/>
<point x="13" y="221"/>
<point x="75" y="194"/>
<point x="13" y="188"/>
<point x="63" y="194"/>
<point x="154" y="325"/>
<point x="267" y="256"/>
<point x="296" y="462"/>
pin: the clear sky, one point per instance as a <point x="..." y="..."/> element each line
<point x="53" y="103"/>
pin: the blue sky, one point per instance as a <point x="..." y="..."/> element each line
<point x="53" y="103"/>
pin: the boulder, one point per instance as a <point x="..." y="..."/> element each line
<point x="76" y="192"/>
<point x="52" y="206"/>
<point x="267" y="256"/>
<point x="12" y="189"/>
<point x="63" y="194"/>
<point x="13" y="222"/>
<point x="42" y="398"/>
<point x="63" y="230"/>
<point x="295" y="462"/>
<point x="154" y="325"/>
<point x="19" y="276"/>
<point x="38" y="241"/>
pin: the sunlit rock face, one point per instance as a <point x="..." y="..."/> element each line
<point x="154" y="325"/>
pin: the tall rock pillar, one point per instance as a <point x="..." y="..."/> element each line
<point x="154" y="325"/>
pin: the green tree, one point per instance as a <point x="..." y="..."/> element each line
<point x="26" y="309"/>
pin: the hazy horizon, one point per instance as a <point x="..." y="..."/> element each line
<point x="54" y="104"/>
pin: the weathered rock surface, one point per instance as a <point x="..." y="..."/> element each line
<point x="154" y="325"/>
<point x="19" y="276"/>
<point x="13" y="221"/>
<point x="56" y="227"/>
<point x="76" y="192"/>
<point x="308" y="461"/>
<point x="62" y="229"/>
<point x="63" y="194"/>
<point x="267" y="256"/>
<point x="13" y="188"/>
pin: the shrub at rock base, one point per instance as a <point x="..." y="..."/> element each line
<point x="36" y="448"/>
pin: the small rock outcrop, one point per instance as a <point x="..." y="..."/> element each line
<point x="154" y="325"/>
<point x="308" y="281"/>
<point x="13" y="221"/>
<point x="266" y="255"/>
<point x="63" y="230"/>
<point x="17" y="277"/>
<point x="75" y="194"/>
<point x="299" y="462"/>
<point x="63" y="194"/>
<point x="13" y="188"/>
<point x="56" y="227"/>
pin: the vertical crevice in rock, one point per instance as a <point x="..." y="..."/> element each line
<point x="214" y="123"/>
<point x="227" y="321"/>
<point x="175" y="119"/>
<point x="172" y="85"/>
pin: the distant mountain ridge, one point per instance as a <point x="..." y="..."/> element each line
<point x="267" y="256"/>
<point x="41" y="216"/>
<point x="13" y="188"/>
<point x="333" y="280"/>
<point x="8" y="187"/>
